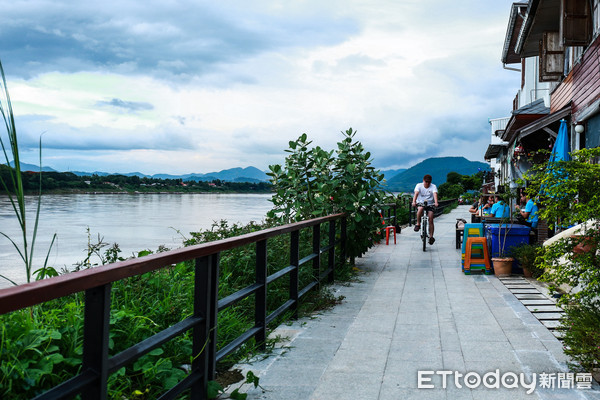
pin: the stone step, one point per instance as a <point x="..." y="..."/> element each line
<point x="530" y="296"/>
<point x="540" y="302"/>
<point x="534" y="309"/>
<point x="548" y="315"/>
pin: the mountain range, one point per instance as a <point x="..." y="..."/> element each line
<point x="248" y="174"/>
<point x="437" y="167"/>
<point x="397" y="180"/>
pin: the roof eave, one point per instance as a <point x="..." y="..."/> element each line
<point x="515" y="22"/>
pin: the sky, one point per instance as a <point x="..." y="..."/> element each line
<point x="197" y="86"/>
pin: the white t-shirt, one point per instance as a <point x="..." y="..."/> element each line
<point x="425" y="194"/>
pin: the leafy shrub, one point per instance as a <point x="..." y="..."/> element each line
<point x="568" y="195"/>
<point x="581" y="328"/>
<point x="529" y="257"/>
<point x="313" y="182"/>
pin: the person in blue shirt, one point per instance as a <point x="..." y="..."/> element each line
<point x="499" y="209"/>
<point x="530" y="212"/>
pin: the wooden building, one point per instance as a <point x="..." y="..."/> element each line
<point x="555" y="44"/>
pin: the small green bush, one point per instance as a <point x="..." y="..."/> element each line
<point x="529" y="257"/>
<point x="581" y="329"/>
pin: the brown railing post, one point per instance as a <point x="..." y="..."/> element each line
<point x="331" y="254"/>
<point x="260" y="298"/>
<point x="316" y="249"/>
<point x="214" y="310"/>
<point x="95" y="339"/>
<point x="203" y="339"/>
<point x="294" y="261"/>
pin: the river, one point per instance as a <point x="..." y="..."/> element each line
<point x="134" y="221"/>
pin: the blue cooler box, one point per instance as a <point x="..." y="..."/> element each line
<point x="516" y="234"/>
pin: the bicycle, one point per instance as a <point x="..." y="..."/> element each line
<point x="425" y="222"/>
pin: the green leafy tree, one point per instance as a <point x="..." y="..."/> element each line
<point x="568" y="195"/>
<point x="454" y="177"/>
<point x="449" y="190"/>
<point x="313" y="182"/>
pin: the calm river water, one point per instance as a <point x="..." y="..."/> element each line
<point x="136" y="222"/>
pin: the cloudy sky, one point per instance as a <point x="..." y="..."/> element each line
<point x="199" y="86"/>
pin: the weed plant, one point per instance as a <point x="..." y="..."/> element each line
<point x="42" y="346"/>
<point x="11" y="181"/>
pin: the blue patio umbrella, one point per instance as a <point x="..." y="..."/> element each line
<point x="560" y="152"/>
<point x="561" y="149"/>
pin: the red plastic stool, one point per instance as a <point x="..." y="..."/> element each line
<point x="387" y="234"/>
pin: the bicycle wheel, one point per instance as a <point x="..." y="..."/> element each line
<point x="424" y="232"/>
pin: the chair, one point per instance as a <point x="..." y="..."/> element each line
<point x="470" y="230"/>
<point x="481" y="262"/>
<point x="388" y="229"/>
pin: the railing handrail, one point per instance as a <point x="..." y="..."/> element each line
<point x="29" y="294"/>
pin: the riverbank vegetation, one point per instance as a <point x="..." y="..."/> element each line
<point x="42" y="345"/>
<point x="67" y="182"/>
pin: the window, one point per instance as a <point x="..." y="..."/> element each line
<point x="576" y="22"/>
<point x="572" y="55"/>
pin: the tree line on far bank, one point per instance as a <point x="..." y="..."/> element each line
<point x="67" y="182"/>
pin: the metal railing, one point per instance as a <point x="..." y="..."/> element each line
<point x="391" y="211"/>
<point x="91" y="382"/>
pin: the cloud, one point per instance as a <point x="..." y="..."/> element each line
<point x="61" y="136"/>
<point x="200" y="86"/>
<point x="130" y="106"/>
<point x="167" y="40"/>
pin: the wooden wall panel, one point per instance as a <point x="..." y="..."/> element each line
<point x="582" y="85"/>
<point x="562" y="94"/>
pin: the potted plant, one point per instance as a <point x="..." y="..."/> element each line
<point x="526" y="254"/>
<point x="502" y="261"/>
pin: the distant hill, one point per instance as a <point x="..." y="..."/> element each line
<point x="437" y="167"/>
<point x="390" y="173"/>
<point x="248" y="174"/>
<point x="31" y="167"/>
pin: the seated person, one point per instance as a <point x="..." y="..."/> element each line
<point x="499" y="209"/>
<point x="487" y="207"/>
<point x="475" y="207"/>
<point x="530" y="212"/>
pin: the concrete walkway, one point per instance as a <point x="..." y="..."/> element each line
<point x="413" y="311"/>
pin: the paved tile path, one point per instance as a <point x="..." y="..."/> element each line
<point x="410" y="312"/>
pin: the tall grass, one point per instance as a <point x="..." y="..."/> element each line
<point x="14" y="186"/>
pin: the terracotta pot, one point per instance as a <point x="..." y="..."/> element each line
<point x="527" y="273"/>
<point x="502" y="266"/>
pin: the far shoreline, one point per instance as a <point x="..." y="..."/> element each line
<point x="62" y="192"/>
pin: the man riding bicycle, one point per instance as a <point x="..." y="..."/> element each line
<point x="425" y="192"/>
